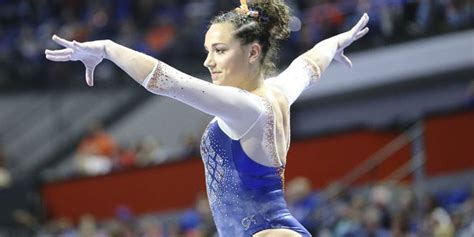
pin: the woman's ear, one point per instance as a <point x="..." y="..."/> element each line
<point x="255" y="53"/>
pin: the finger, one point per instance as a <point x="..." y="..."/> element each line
<point x="361" y="23"/>
<point x="60" y="58"/>
<point x="62" y="42"/>
<point x="61" y="52"/>
<point x="361" y="33"/>
<point x="78" y="45"/>
<point x="90" y="76"/>
<point x="345" y="60"/>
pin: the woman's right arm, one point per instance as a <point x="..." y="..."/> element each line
<point x="136" y="64"/>
<point x="238" y="108"/>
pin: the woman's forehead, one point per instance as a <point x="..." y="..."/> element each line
<point x="220" y="33"/>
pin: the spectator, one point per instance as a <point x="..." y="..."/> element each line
<point x="96" y="151"/>
<point x="190" y="144"/>
<point x="400" y="226"/>
<point x="197" y="222"/>
<point x="149" y="226"/>
<point x="381" y="197"/>
<point x="126" y="158"/>
<point x="87" y="226"/>
<point x="459" y="13"/>
<point x="302" y="202"/>
<point x="373" y="223"/>
<point x="333" y="199"/>
<point x="441" y="223"/>
<point x="348" y="222"/>
<point x="469" y="97"/>
<point x="97" y="142"/>
<point x="5" y="176"/>
<point x="148" y="151"/>
<point x="26" y="220"/>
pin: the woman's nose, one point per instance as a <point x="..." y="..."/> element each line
<point x="209" y="62"/>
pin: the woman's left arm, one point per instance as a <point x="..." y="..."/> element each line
<point x="308" y="67"/>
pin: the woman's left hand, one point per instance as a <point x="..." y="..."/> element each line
<point x="345" y="39"/>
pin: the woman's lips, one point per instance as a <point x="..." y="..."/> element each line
<point x="214" y="74"/>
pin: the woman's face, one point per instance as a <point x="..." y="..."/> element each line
<point x="227" y="59"/>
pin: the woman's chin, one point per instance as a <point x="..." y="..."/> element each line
<point x="217" y="81"/>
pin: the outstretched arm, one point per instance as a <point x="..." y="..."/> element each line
<point x="237" y="108"/>
<point x="135" y="64"/>
<point x="308" y="67"/>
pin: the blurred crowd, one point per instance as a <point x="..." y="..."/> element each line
<point x="5" y="176"/>
<point x="174" y="30"/>
<point x="382" y="210"/>
<point x="99" y="153"/>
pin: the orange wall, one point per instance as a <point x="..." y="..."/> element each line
<point x="449" y="142"/>
<point x="166" y="187"/>
<point x="324" y="160"/>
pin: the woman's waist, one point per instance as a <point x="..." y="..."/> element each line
<point x="251" y="220"/>
<point x="251" y="201"/>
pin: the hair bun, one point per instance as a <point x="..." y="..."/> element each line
<point x="275" y="13"/>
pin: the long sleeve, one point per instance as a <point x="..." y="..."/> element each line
<point x="307" y="68"/>
<point x="301" y="73"/>
<point x="238" y="108"/>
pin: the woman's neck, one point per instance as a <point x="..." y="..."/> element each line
<point x="254" y="81"/>
<point x="252" y="84"/>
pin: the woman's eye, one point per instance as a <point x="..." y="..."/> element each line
<point x="220" y="51"/>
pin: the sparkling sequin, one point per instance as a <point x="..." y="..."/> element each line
<point x="269" y="134"/>
<point x="214" y="170"/>
<point x="219" y="159"/>
<point x="165" y="80"/>
<point x="281" y="172"/>
<point x="312" y="68"/>
<point x="211" y="162"/>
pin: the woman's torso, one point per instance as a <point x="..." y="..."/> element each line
<point x="246" y="191"/>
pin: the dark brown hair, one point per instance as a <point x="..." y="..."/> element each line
<point x="270" y="27"/>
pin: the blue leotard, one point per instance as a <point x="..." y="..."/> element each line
<point x="245" y="197"/>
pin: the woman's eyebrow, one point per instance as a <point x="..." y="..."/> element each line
<point x="215" y="44"/>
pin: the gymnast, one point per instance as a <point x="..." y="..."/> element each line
<point x="244" y="148"/>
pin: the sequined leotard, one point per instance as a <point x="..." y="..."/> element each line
<point x="245" y="196"/>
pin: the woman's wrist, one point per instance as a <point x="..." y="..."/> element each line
<point x="323" y="53"/>
<point x="107" y="48"/>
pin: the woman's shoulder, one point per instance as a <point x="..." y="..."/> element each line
<point x="275" y="96"/>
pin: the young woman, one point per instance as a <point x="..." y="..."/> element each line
<point x="244" y="147"/>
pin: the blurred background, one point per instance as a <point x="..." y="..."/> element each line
<point x="382" y="149"/>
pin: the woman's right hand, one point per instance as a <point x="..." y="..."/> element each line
<point x="89" y="53"/>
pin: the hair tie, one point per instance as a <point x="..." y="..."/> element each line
<point x="244" y="6"/>
<point x="254" y="13"/>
